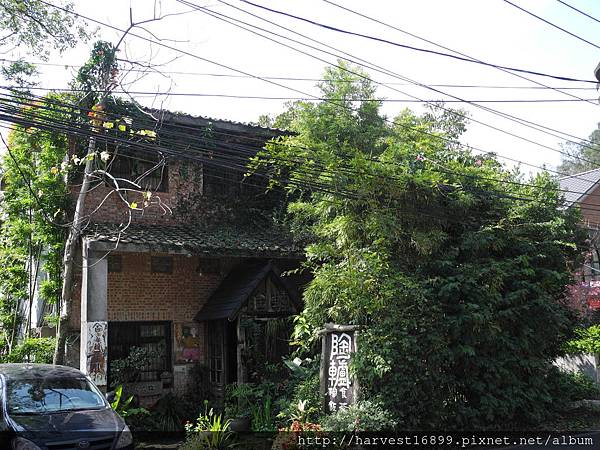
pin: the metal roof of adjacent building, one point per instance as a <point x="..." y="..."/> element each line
<point x="219" y="240"/>
<point x="579" y="185"/>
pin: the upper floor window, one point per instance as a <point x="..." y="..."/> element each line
<point x="144" y="169"/>
<point x="229" y="181"/>
<point x="219" y="180"/>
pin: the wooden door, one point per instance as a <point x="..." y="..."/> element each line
<point x="217" y="361"/>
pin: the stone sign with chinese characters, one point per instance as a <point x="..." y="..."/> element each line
<point x="338" y="388"/>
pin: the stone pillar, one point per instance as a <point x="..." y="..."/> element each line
<point x="94" y="315"/>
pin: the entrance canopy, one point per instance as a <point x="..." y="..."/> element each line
<point x="258" y="281"/>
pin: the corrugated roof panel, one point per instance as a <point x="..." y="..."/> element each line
<point x="578" y="185"/>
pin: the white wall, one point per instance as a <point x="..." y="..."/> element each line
<point x="586" y="363"/>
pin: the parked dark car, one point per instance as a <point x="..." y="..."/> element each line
<point x="46" y="407"/>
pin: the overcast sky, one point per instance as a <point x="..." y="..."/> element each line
<point x="490" y="30"/>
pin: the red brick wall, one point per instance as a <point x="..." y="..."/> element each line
<point x="183" y="179"/>
<point x="137" y="294"/>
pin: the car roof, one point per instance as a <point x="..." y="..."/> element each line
<point x="24" y="371"/>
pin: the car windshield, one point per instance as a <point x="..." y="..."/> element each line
<point x="47" y="395"/>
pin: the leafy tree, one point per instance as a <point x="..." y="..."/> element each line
<point x="29" y="241"/>
<point x="454" y="266"/>
<point x="584" y="155"/>
<point x="33" y="198"/>
<point x="34" y="26"/>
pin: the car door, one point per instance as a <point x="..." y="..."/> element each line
<point x="6" y="432"/>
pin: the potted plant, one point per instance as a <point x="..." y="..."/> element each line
<point x="238" y="398"/>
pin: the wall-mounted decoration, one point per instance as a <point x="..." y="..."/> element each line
<point x="187" y="343"/>
<point x="97" y="351"/>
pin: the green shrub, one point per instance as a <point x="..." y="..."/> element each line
<point x="170" y="413"/>
<point x="210" y="431"/>
<point x="263" y="417"/>
<point x="238" y="400"/>
<point x="36" y="350"/>
<point x="587" y="340"/>
<point x="303" y="387"/>
<point x="128" y="369"/>
<point x="574" y="386"/>
<point x="362" y="416"/>
<point x="124" y="407"/>
<point x="458" y="287"/>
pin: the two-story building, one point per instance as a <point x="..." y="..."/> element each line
<point x="187" y="285"/>
<point x="582" y="190"/>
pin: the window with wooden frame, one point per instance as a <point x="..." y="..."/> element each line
<point x="155" y="337"/>
<point x="220" y="180"/>
<point x="216" y="352"/>
<point x="161" y="264"/>
<point x="147" y="170"/>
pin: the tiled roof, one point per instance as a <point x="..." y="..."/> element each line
<point x="223" y="240"/>
<point x="172" y="116"/>
<point x="578" y="185"/>
<point x="235" y="289"/>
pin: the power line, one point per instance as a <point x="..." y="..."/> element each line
<point x="247" y="73"/>
<point x="252" y="151"/>
<point x="451" y="142"/>
<point x="414" y="212"/>
<point x="397" y="44"/>
<point x="319" y="80"/>
<point x="310" y="185"/>
<point x="191" y="54"/>
<point x="553" y="25"/>
<point x="393" y="27"/>
<point x="379" y="69"/>
<point x="87" y="131"/>
<point x="421" y="213"/>
<point x="578" y="10"/>
<point x="434" y="136"/>
<point x="259" y="97"/>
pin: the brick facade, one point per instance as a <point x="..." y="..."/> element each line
<point x="138" y="294"/>
<point x="184" y="179"/>
<point x="135" y="293"/>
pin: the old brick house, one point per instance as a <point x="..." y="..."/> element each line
<point x="185" y="285"/>
<point x="582" y="190"/>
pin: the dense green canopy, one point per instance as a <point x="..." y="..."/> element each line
<point x="454" y="265"/>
